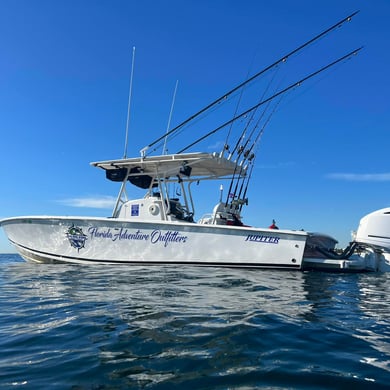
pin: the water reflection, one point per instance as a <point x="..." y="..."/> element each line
<point x="223" y="295"/>
<point x="374" y="302"/>
<point x="162" y="324"/>
<point x="188" y="290"/>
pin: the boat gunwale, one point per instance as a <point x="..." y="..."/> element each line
<point x="46" y="219"/>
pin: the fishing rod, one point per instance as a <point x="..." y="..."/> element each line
<point x="226" y="146"/>
<point x="252" y="156"/>
<point x="260" y="133"/>
<point x="276" y="63"/>
<point x="248" y="155"/>
<point x="242" y="136"/>
<point x="249" y="178"/>
<point x="233" y="178"/>
<point x="294" y="85"/>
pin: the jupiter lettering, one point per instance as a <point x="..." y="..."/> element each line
<point x="261" y="238"/>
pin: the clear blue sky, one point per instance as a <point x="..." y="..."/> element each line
<point x="64" y="76"/>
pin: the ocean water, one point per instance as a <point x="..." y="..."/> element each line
<point x="161" y="327"/>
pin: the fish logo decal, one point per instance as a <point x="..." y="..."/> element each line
<point x="76" y="237"/>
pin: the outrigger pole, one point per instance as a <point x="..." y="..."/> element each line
<point x="296" y="84"/>
<point x="276" y="63"/>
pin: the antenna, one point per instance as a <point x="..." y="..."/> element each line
<point x="170" y="117"/>
<point x="129" y="104"/>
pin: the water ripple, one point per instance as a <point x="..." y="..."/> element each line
<point x="75" y="327"/>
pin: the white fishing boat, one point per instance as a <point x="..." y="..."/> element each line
<point x="159" y="229"/>
<point x="163" y="229"/>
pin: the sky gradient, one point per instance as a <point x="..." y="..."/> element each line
<point x="64" y="75"/>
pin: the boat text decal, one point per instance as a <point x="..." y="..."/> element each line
<point x="156" y="236"/>
<point x="262" y="238"/>
<point x="76" y="237"/>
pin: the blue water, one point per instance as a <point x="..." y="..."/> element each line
<point x="161" y="327"/>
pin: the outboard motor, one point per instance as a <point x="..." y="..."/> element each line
<point x="369" y="249"/>
<point x="374" y="229"/>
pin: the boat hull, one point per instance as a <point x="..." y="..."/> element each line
<point x="110" y="240"/>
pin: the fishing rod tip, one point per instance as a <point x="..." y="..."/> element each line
<point x="349" y="18"/>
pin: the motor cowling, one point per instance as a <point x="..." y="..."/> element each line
<point x="374" y="229"/>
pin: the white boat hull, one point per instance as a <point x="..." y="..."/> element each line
<point x="109" y="240"/>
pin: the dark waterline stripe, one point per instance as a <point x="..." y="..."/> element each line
<point x="137" y="262"/>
